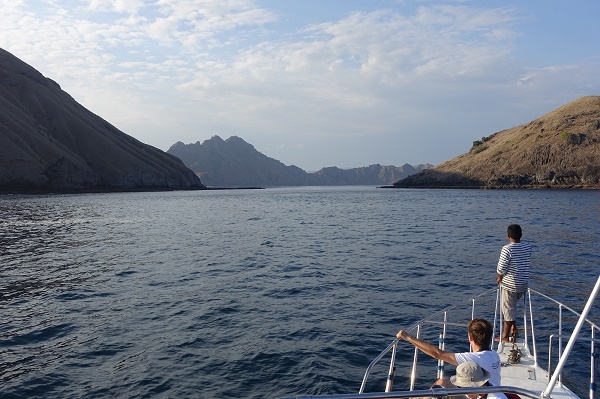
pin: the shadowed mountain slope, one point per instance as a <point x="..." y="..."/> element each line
<point x="49" y="142"/>
<point x="560" y="149"/>
<point x="234" y="162"/>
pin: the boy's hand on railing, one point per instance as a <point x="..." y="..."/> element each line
<point x="403" y="335"/>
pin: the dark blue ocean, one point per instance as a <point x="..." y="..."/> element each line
<point x="257" y="293"/>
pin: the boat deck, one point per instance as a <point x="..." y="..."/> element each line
<point x="523" y="377"/>
<point x="526" y="374"/>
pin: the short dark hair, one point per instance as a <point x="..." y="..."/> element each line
<point x="514" y="231"/>
<point x="481" y="332"/>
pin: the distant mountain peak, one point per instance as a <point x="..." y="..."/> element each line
<point x="234" y="162"/>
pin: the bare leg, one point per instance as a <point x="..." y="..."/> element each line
<point x="513" y="329"/>
<point x="510" y="327"/>
<point x="441" y="382"/>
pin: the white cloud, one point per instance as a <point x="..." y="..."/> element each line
<point x="353" y="63"/>
<point x="118" y="6"/>
<point x="196" y="23"/>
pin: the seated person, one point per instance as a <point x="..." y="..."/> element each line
<point x="480" y="336"/>
<point x="470" y="374"/>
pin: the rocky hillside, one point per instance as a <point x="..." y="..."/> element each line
<point x="561" y="149"/>
<point x="234" y="162"/>
<point x="367" y="175"/>
<point x="49" y="142"/>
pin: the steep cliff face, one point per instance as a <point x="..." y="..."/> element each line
<point x="49" y="142"/>
<point x="559" y="149"/>
<point x="233" y="162"/>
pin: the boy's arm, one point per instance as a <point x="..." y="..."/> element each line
<point x="428" y="349"/>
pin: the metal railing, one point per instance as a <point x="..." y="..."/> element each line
<point x="582" y="319"/>
<point x="427" y="393"/>
<point x="429" y="320"/>
<point x="527" y="314"/>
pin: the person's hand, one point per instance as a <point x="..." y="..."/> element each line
<point x="499" y="279"/>
<point x="403" y="335"/>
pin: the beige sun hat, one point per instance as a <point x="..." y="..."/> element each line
<point x="469" y="374"/>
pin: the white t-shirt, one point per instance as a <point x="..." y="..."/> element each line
<point x="490" y="362"/>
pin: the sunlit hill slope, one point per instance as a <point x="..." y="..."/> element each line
<point x="560" y="149"/>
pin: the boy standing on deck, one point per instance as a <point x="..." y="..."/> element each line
<point x="513" y="271"/>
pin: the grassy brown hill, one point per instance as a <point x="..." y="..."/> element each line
<point x="49" y="142"/>
<point x="560" y="149"/>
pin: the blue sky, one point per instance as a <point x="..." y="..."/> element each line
<point x="314" y="83"/>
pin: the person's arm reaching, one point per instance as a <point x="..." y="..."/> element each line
<point x="428" y="349"/>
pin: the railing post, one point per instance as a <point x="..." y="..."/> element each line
<point x="472" y="316"/>
<point x="593" y="367"/>
<point x="496" y="308"/>
<point x="535" y="361"/>
<point x="564" y="356"/>
<point x="442" y="345"/>
<point x="501" y="324"/>
<point x="550" y="356"/>
<point x="560" y="349"/>
<point x="525" y="321"/>
<point x="413" y="374"/>
<point x="392" y="371"/>
<point x="440" y="363"/>
<point x="373" y="363"/>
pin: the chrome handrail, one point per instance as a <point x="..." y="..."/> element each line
<point x="592" y="340"/>
<point x="417" y="326"/>
<point x="429" y="320"/>
<point x="427" y="393"/>
<point x="595" y="326"/>
<point x="563" y="358"/>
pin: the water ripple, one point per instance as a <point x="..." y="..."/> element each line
<point x="258" y="293"/>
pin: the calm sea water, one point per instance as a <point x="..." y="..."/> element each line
<point x="256" y="293"/>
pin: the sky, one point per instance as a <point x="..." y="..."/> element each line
<point x="314" y="83"/>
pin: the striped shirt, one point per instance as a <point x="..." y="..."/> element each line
<point x="515" y="265"/>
